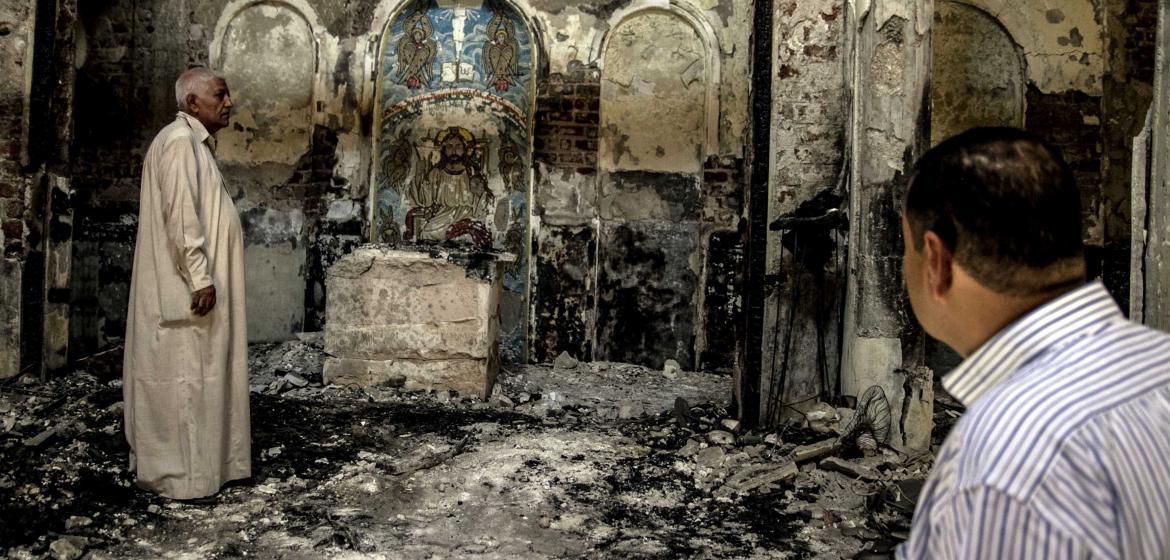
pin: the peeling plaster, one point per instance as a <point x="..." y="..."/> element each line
<point x="652" y="91"/>
<point x="269" y="59"/>
<point x="978" y="72"/>
<point x="1063" y="41"/>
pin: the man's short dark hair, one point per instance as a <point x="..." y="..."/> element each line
<point x="1006" y="204"/>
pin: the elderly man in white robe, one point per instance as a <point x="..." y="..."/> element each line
<point x="185" y="372"/>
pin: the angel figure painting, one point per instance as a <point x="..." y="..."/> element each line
<point x="416" y="50"/>
<point x="500" y="53"/>
<point x="451" y="199"/>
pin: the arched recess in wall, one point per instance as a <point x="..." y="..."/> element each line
<point x="453" y="113"/>
<point x="978" y="72"/>
<point x="659" y="106"/>
<point x="268" y="53"/>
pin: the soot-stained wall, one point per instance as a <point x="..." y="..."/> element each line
<point x="309" y="160"/>
<point x="805" y="269"/>
<point x="16" y="28"/>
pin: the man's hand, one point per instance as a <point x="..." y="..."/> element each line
<point x="203" y="301"/>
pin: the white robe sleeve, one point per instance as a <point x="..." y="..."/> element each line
<point x="178" y="180"/>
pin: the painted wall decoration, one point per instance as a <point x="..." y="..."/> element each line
<point x="453" y="125"/>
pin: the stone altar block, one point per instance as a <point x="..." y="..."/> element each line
<point x="422" y="319"/>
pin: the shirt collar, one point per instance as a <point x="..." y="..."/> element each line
<point x="197" y="127"/>
<point x="1027" y="337"/>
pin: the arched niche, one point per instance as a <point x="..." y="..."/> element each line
<point x="978" y="72"/>
<point x="1063" y="42"/>
<point x="453" y="127"/>
<point x="656" y="129"/>
<point x="267" y="51"/>
<point x="653" y="95"/>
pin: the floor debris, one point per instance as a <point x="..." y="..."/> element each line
<point x="612" y="460"/>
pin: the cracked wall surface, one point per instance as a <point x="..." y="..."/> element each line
<point x="1063" y="40"/>
<point x="653" y="94"/>
<point x="977" y="72"/>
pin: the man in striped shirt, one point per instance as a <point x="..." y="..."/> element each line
<point x="1064" y="451"/>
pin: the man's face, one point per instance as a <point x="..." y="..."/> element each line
<point x="212" y="105"/>
<point x="453" y="149"/>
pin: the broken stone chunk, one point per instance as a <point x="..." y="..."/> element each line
<point x="317" y="337"/>
<point x="296" y="380"/>
<point x="671" y="369"/>
<point x="68" y="548"/>
<point x="822" y="418"/>
<point x="720" y="437"/>
<point x="630" y="409"/>
<point x="731" y="425"/>
<point x="850" y="468"/>
<point x="42" y="437"/>
<point x="756" y="476"/>
<point x="692" y="447"/>
<point x="77" y="521"/>
<point x="565" y="361"/>
<point x="814" y="450"/>
<point x="710" y="457"/>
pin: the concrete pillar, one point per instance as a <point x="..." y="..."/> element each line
<point x="882" y="343"/>
<point x="806" y="245"/>
<point x="1150" y="289"/>
<point x="58" y="261"/>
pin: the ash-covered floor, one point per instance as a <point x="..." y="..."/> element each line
<point x="589" y="460"/>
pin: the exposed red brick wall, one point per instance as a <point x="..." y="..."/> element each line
<point x="567" y="119"/>
<point x="722" y="190"/>
<point x="1139" y="24"/>
<point x="1071" y="121"/>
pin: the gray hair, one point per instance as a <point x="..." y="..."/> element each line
<point x="191" y="82"/>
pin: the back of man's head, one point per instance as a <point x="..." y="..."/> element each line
<point x="1006" y="204"/>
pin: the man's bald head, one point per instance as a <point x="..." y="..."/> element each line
<point x="192" y="82"/>
<point x="203" y="94"/>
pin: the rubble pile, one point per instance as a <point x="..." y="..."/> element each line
<point x="63" y="484"/>
<point x="603" y="391"/>
<point x="279" y="367"/>
<point x="567" y="459"/>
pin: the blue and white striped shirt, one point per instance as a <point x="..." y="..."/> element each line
<point x="1064" y="451"/>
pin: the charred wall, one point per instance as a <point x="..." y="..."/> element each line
<point x="805" y="267"/>
<point x="16" y="33"/>
<point x="298" y="163"/>
<point x="1131" y="35"/>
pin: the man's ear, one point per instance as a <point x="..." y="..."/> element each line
<point x="191" y="105"/>
<point x="939" y="263"/>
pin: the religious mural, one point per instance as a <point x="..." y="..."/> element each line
<point x="453" y="158"/>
